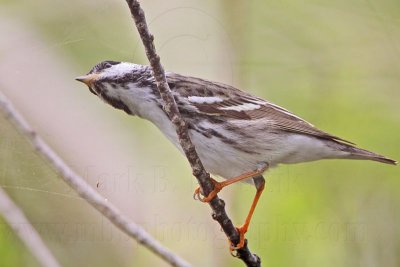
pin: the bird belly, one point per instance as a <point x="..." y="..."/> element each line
<point x="222" y="159"/>
<point x="227" y="161"/>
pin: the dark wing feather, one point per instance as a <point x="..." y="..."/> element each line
<point x="231" y="97"/>
<point x="280" y="117"/>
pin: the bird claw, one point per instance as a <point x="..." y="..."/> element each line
<point x="197" y="196"/>
<point x="233" y="252"/>
<point x="217" y="187"/>
<point x="232" y="248"/>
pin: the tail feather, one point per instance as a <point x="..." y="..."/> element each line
<point x="359" y="153"/>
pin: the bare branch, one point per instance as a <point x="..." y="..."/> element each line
<point x="22" y="227"/>
<point x="170" y="107"/>
<point x="87" y="192"/>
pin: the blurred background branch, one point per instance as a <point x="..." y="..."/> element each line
<point x="78" y="184"/>
<point x="24" y="229"/>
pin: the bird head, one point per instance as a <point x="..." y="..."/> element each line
<point x="105" y="72"/>
<point x="118" y="83"/>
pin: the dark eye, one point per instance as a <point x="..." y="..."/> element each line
<point x="109" y="63"/>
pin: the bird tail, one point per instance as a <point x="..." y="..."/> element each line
<point x="359" y="153"/>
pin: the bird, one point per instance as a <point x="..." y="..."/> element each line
<point x="238" y="136"/>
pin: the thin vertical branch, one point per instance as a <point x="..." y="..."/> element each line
<point x="26" y="232"/>
<point x="170" y="107"/>
<point x="78" y="184"/>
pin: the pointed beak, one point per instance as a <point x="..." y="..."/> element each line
<point x="87" y="79"/>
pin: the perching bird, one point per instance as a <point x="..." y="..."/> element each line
<point x="237" y="135"/>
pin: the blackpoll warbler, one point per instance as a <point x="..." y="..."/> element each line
<point x="236" y="135"/>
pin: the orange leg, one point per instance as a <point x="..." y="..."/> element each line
<point x="259" y="183"/>
<point x="243" y="229"/>
<point x="219" y="185"/>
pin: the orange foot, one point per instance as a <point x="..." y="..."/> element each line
<point x="217" y="187"/>
<point x="242" y="230"/>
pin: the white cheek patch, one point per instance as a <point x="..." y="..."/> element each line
<point x="205" y="99"/>
<point x="243" y="107"/>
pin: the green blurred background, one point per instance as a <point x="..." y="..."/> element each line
<point x="334" y="63"/>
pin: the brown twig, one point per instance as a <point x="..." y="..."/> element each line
<point x="170" y="107"/>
